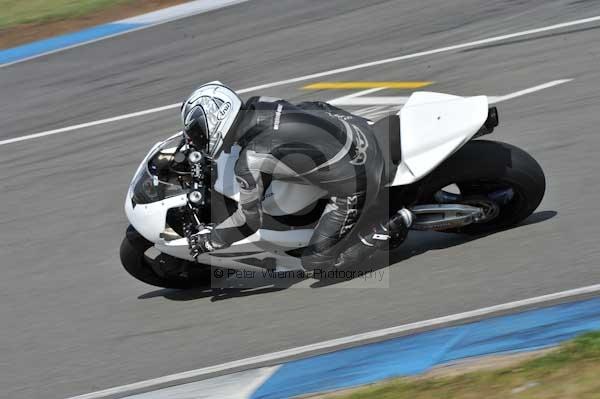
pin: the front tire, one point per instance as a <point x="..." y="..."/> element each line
<point x="134" y="260"/>
<point x="482" y="166"/>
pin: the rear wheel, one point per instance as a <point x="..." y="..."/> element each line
<point x="165" y="271"/>
<point x="503" y="180"/>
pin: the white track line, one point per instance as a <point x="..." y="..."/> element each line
<point x="495" y="100"/>
<point x="356" y="100"/>
<point x="98" y="122"/>
<point x="339" y="342"/>
<point x="351" y="99"/>
<point x="321" y="74"/>
<point x="429" y="52"/>
<point x="88" y="124"/>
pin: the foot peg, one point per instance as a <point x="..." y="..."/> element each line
<point x="407" y="216"/>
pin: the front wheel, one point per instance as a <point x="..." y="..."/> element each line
<point x="505" y="181"/>
<point x="166" y="275"/>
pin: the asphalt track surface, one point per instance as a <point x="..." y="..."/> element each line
<point x="74" y="322"/>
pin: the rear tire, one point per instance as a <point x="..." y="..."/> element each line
<point x="479" y="163"/>
<point x="132" y="252"/>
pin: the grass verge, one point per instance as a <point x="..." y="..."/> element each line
<point x="572" y="371"/>
<point x="18" y="12"/>
<point x="22" y="21"/>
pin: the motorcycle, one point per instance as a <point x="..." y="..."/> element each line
<point x="435" y="165"/>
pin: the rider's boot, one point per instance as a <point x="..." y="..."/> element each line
<point x="383" y="236"/>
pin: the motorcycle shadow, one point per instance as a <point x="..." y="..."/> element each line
<point x="236" y="286"/>
<point x="420" y="242"/>
<point x="417" y="244"/>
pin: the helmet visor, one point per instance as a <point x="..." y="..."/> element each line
<point x="196" y="127"/>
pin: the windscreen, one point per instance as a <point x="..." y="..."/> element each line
<point x="159" y="178"/>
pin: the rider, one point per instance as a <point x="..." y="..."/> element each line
<point x="311" y="141"/>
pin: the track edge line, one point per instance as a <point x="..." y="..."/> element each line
<point x="341" y="343"/>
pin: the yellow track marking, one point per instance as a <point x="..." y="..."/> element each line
<point x="365" y="85"/>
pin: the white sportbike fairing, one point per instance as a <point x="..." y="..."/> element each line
<point x="433" y="126"/>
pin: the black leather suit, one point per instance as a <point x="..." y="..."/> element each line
<point x="314" y="142"/>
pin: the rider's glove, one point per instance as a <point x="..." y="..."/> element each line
<point x="201" y="242"/>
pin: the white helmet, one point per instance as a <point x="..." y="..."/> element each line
<point x="209" y="114"/>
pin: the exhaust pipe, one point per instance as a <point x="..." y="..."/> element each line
<point x="444" y="216"/>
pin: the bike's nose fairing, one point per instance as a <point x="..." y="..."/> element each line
<point x="151" y="195"/>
